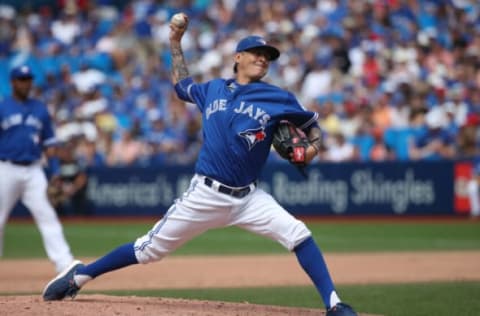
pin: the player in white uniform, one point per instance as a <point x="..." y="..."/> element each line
<point x="239" y="117"/>
<point x="25" y="131"/>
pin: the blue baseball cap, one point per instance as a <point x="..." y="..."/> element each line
<point x="21" y="72"/>
<point x="255" y="41"/>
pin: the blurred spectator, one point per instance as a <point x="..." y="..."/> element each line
<point x="456" y="106"/>
<point x="7" y="29"/>
<point x="434" y="142"/>
<point x="193" y="142"/>
<point x="402" y="106"/>
<point x="473" y="101"/>
<point x="88" y="155"/>
<point x="328" y="118"/>
<point x="338" y="149"/>
<point x="317" y="82"/>
<point x="380" y="151"/>
<point x="383" y="112"/>
<point x="67" y="27"/>
<point x="125" y="151"/>
<point x="351" y="121"/>
<point x="468" y="138"/>
<point x="161" y="139"/>
<point x="371" y="70"/>
<point x="363" y="65"/>
<point x="91" y="104"/>
<point x="341" y="60"/>
<point x="87" y="79"/>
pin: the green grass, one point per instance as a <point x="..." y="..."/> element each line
<point x="90" y="238"/>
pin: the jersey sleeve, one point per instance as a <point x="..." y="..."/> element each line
<point x="298" y="115"/>
<point x="189" y="91"/>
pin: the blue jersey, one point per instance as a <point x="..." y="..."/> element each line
<point x="238" y="125"/>
<point x="25" y="128"/>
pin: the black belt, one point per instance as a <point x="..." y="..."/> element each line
<point x="238" y="193"/>
<point x="19" y="163"/>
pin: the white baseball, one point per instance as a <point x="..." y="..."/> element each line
<point x="179" y="19"/>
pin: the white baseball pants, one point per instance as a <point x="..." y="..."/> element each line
<point x="202" y="208"/>
<point x="29" y="184"/>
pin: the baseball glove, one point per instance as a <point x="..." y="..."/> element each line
<point x="55" y="192"/>
<point x="291" y="143"/>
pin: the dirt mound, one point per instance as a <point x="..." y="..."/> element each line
<point x="93" y="305"/>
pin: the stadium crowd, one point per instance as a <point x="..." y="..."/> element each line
<point x="391" y="79"/>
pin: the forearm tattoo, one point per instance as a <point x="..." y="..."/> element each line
<point x="180" y="70"/>
<point x="315" y="138"/>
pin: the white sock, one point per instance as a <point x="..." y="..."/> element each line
<point x="81" y="279"/>
<point x="334" y="299"/>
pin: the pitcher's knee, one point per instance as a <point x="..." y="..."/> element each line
<point x="296" y="234"/>
<point x="153" y="248"/>
<point x="148" y="255"/>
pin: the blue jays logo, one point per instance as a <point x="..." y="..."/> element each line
<point x="253" y="136"/>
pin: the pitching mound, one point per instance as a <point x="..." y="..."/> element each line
<point x="94" y="305"/>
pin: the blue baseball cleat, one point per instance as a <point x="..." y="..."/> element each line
<point x="63" y="285"/>
<point x="341" y="309"/>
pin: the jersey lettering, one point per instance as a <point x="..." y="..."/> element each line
<point x="33" y="121"/>
<point x="12" y="120"/>
<point x="16" y="119"/>
<point x="217" y="105"/>
<point x="260" y="115"/>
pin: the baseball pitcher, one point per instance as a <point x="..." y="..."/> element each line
<point x="25" y="130"/>
<point x="239" y="118"/>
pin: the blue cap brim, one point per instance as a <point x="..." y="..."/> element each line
<point x="21" y="77"/>
<point x="272" y="51"/>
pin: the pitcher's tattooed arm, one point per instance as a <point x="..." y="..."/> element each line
<point x="179" y="70"/>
